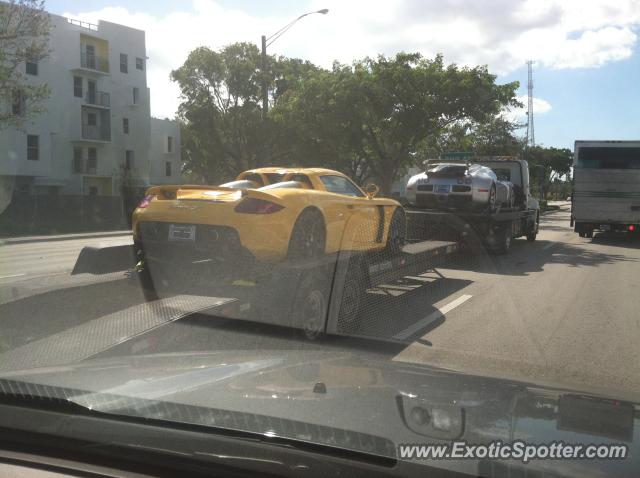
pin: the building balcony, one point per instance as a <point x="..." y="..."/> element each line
<point x="94" y="62"/>
<point x="95" y="133"/>
<point x="98" y="98"/>
<point x="84" y="166"/>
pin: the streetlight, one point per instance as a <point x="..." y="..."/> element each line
<point x="266" y="41"/>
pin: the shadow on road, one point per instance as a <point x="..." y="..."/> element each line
<point x="617" y="239"/>
<point x="522" y="260"/>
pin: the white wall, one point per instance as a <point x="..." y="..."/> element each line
<point x="161" y="129"/>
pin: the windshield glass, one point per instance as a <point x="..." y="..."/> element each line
<point x="284" y="184"/>
<point x="609" y="158"/>
<point x="356" y="225"/>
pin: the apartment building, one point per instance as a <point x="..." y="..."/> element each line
<point x="96" y="130"/>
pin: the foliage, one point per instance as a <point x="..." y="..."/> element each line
<point x="547" y="165"/>
<point x="223" y="130"/>
<point x="372" y="119"/>
<point x="24" y="36"/>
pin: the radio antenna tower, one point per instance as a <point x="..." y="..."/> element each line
<point x="531" y="137"/>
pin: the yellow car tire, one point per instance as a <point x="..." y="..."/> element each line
<point x="308" y="237"/>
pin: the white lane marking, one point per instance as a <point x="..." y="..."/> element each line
<point x="436" y="314"/>
<point x="549" y="246"/>
<point x="13" y="275"/>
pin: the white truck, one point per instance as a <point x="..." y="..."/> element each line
<point x="606" y="189"/>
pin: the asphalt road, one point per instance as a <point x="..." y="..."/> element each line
<point x="36" y="266"/>
<point x="561" y="310"/>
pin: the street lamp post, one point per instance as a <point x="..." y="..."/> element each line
<point x="266" y="41"/>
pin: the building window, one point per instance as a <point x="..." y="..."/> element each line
<point x="169" y="144"/>
<point x="18" y="102"/>
<point x="125" y="125"/>
<point x="167" y="168"/>
<point x="77" y="86"/>
<point x="136" y="95"/>
<point x="92" y="119"/>
<point x="33" y="147"/>
<point x="92" y="160"/>
<point x="140" y="63"/>
<point x="32" y="68"/>
<point x="128" y="160"/>
<point x="124" y="63"/>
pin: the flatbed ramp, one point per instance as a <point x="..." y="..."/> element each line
<point x="83" y="341"/>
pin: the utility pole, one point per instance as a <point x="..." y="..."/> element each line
<point x="264" y="84"/>
<point x="531" y="137"/>
<point x="265" y="88"/>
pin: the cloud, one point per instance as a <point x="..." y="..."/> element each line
<point x="502" y="34"/>
<point x="540" y="107"/>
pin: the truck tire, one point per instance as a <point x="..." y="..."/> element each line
<point x="310" y="308"/>
<point x="349" y="318"/>
<point x="531" y="235"/>
<point x="504" y="241"/>
<point x="589" y="234"/>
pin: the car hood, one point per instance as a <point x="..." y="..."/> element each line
<point x="279" y="392"/>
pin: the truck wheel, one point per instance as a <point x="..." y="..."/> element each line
<point x="531" y="235"/>
<point x="505" y="241"/>
<point x="589" y="234"/>
<point x="310" y="308"/>
<point x="349" y="318"/>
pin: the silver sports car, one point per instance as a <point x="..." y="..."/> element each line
<point x="459" y="186"/>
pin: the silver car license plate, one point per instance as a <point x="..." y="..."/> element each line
<point x="182" y="232"/>
<point x="442" y="188"/>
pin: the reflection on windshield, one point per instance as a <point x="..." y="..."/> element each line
<point x="358" y="248"/>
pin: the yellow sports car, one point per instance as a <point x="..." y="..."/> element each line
<point x="269" y="215"/>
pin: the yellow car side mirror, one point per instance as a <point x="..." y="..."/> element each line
<point x="371" y="190"/>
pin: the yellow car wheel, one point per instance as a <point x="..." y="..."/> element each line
<point x="308" y="237"/>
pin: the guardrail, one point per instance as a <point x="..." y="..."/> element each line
<point x="94" y="62"/>
<point x="84" y="166"/>
<point x="94" y="132"/>
<point x="99" y="98"/>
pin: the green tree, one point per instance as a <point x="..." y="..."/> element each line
<point x="548" y="165"/>
<point x="496" y="136"/>
<point x="223" y="129"/>
<point x="24" y="37"/>
<point x="370" y="119"/>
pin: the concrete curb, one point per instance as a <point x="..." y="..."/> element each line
<point x="63" y="237"/>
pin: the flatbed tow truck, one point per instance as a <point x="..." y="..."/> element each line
<point x="324" y="296"/>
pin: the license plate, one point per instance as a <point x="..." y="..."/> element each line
<point x="442" y="188"/>
<point x="182" y="232"/>
<point x="605" y="227"/>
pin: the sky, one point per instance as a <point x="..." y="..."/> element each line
<point x="586" y="53"/>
